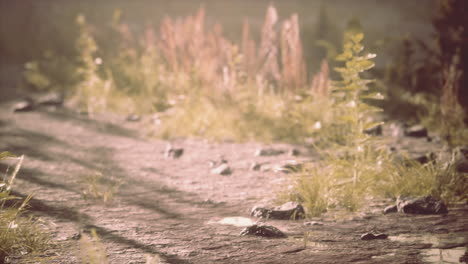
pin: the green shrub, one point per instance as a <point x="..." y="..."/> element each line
<point x="357" y="167"/>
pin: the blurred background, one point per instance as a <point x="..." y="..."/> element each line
<point x="147" y="56"/>
<point x="29" y="28"/>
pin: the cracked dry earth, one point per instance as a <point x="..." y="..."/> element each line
<point x="172" y="207"/>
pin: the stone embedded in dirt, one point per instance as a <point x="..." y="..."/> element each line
<point x="416" y="131"/>
<point x="222" y="169"/>
<point x="424" y="159"/>
<point x="462" y="166"/>
<point x="215" y="163"/>
<point x="133" y="118"/>
<point x="375" y="131"/>
<point x="294" y="152"/>
<point x="255" y="166"/>
<point x="462" y="150"/>
<point x="421" y="205"/>
<point x="460" y="159"/>
<point x="174" y="153"/>
<point x="313" y="223"/>
<point x="372" y="236"/>
<point x="421" y="159"/>
<point x="390" y="209"/>
<point x="52" y="99"/>
<point x="23" y="106"/>
<point x="287" y="211"/>
<point x="464" y="257"/>
<point x="289" y="166"/>
<point x="262" y="230"/>
<point x="269" y="152"/>
<point x="259" y="211"/>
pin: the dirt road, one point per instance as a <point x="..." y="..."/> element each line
<point x="173" y="207"/>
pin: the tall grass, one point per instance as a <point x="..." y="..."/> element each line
<point x="205" y="84"/>
<point x="18" y="234"/>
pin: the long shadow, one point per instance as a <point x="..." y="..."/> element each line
<point x="34" y="142"/>
<point x="108" y="234"/>
<point x="102" y="161"/>
<point x="173" y="193"/>
<point x="58" y="212"/>
<point x="65" y="213"/>
<point x="29" y="175"/>
<point x="99" y="126"/>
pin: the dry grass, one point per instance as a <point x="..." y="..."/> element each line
<point x="19" y="235"/>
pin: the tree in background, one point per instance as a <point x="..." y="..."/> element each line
<point x="450" y="23"/>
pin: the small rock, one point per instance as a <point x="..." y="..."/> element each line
<point x="416" y="131"/>
<point x="133" y="118"/>
<point x="424" y="159"/>
<point x="313" y="223"/>
<point x="462" y="166"/>
<point x="390" y="209"/>
<point x="294" y="152"/>
<point x="464" y="257"/>
<point x="289" y="166"/>
<point x="259" y="211"/>
<point x="215" y="163"/>
<point x="52" y="99"/>
<point x="287" y="211"/>
<point x="174" y="153"/>
<point x="460" y="159"/>
<point x="222" y="169"/>
<point x="269" y="152"/>
<point x="462" y="150"/>
<point x="381" y="236"/>
<point x="255" y="166"/>
<point x="367" y="236"/>
<point x="262" y="230"/>
<point x="372" y="236"/>
<point x="375" y="131"/>
<point x="23" y="106"/>
<point x="421" y="205"/>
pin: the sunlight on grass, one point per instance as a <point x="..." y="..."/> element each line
<point x="201" y="84"/>
<point x="19" y="235"/>
<point x="99" y="187"/>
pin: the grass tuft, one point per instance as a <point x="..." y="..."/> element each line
<point x="19" y="235"/>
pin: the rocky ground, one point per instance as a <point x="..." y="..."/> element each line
<point x="179" y="210"/>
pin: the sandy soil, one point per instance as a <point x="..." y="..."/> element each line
<point x="172" y="207"/>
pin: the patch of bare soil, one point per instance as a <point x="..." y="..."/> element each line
<point x="173" y="207"/>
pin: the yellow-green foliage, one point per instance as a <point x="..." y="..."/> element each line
<point x="208" y="85"/>
<point x="17" y="233"/>
<point x="97" y="187"/>
<point x="92" y="251"/>
<point x="357" y="167"/>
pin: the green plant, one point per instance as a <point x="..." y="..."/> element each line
<point x="211" y="86"/>
<point x="18" y="234"/>
<point x="357" y="167"/>
<point x="100" y="188"/>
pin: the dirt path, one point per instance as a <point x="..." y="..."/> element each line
<point x="170" y="207"/>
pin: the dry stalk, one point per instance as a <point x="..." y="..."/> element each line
<point x="320" y="82"/>
<point x="268" y="67"/>
<point x="293" y="65"/>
